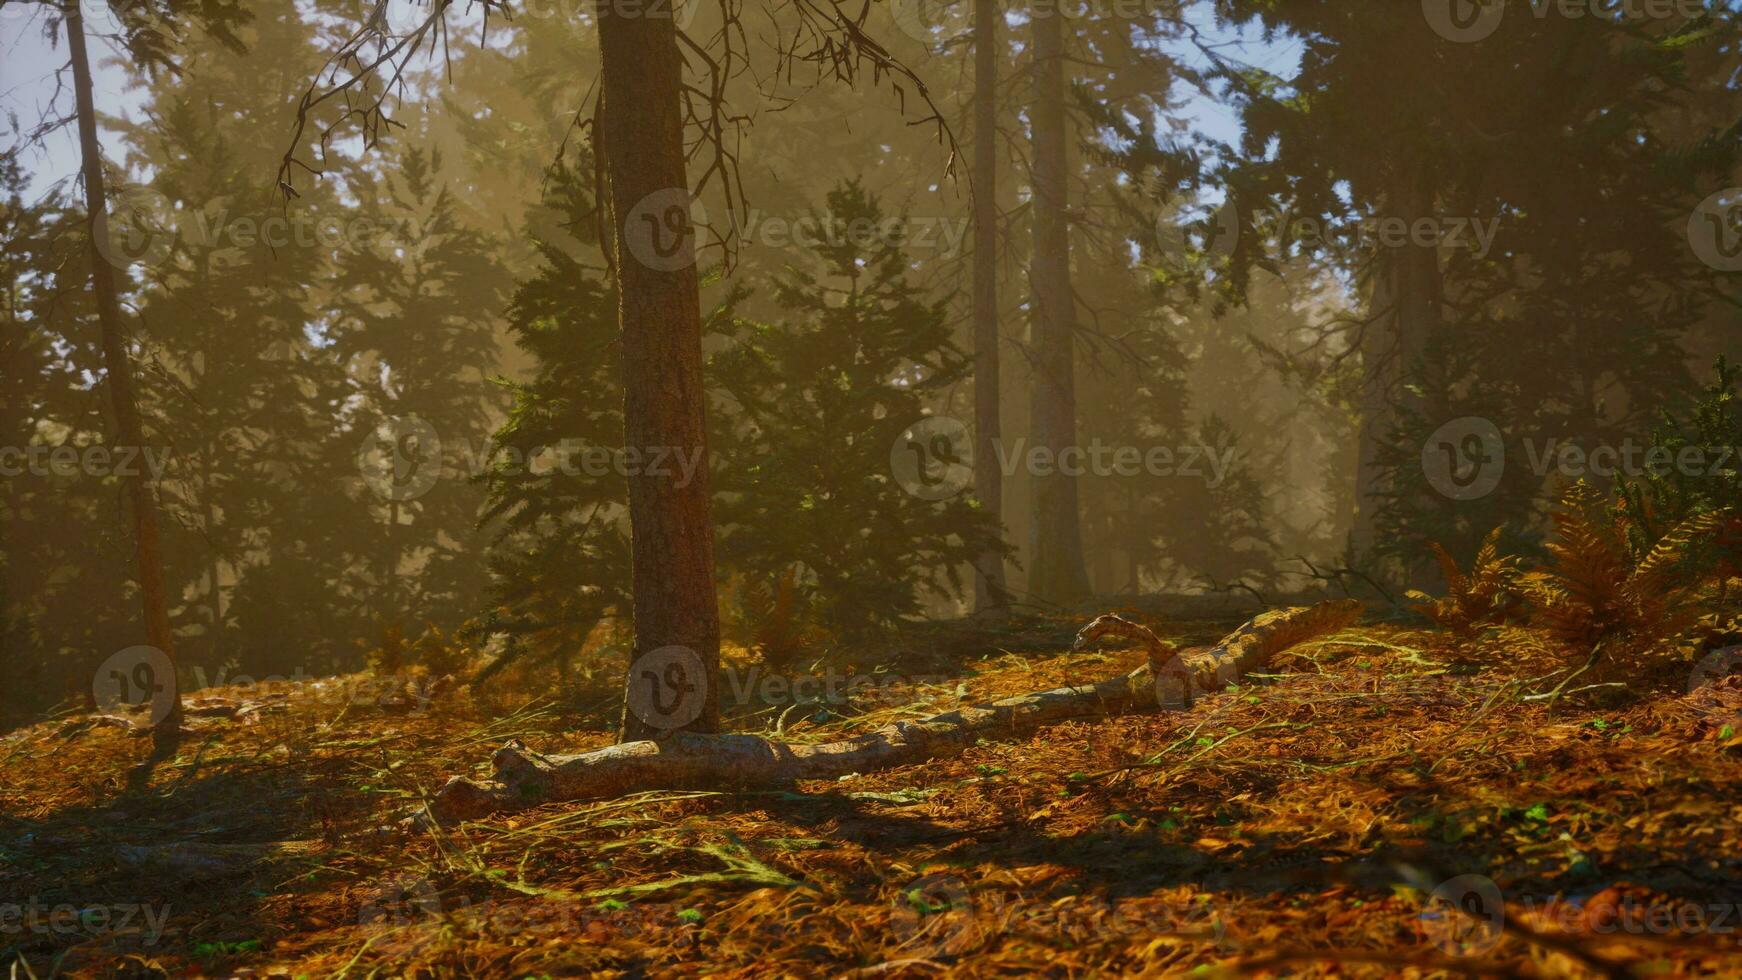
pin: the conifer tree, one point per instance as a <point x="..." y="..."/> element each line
<point x="824" y="396"/>
<point x="560" y="549"/>
<point x="414" y="325"/>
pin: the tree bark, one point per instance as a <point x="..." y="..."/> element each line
<point x="1408" y="293"/>
<point x="1055" y="563"/>
<point x="119" y="368"/>
<point x="672" y="529"/>
<point x="990" y="590"/>
<point x="525" y="778"/>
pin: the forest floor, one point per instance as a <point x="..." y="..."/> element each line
<point x="1329" y="817"/>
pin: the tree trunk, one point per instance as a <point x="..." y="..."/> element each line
<point x="1055" y="562"/>
<point x="1377" y="415"/>
<point x="1407" y="301"/>
<point x="129" y="428"/>
<point x="672" y="528"/>
<point x="390" y="573"/>
<point x="524" y="778"/>
<point x="215" y="603"/>
<point x="990" y="592"/>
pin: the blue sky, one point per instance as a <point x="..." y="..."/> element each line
<point x="1207" y="116"/>
<point x="28" y="65"/>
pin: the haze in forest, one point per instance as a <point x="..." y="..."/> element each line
<point x="385" y="410"/>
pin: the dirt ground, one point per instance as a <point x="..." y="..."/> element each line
<point x="1367" y="807"/>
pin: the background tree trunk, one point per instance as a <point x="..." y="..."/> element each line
<point x="672" y="528"/>
<point x="1407" y="300"/>
<point x="990" y="593"/>
<point x="129" y="429"/>
<point x="1055" y="561"/>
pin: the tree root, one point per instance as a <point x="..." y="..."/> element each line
<point x="524" y="778"/>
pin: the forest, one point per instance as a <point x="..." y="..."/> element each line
<point x="870" y="488"/>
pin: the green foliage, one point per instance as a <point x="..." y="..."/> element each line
<point x="1567" y="324"/>
<point x="63" y="540"/>
<point x="816" y="536"/>
<point x="235" y="386"/>
<point x="1692" y="469"/>
<point x="1223" y="525"/>
<point x="261" y="368"/>
<point x="413" y="325"/>
<point x="817" y="401"/>
<point x="559" y="558"/>
<point x="155" y="32"/>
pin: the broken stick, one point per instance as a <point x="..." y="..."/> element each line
<point x="524" y="778"/>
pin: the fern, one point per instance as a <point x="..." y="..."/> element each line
<point x="1668" y="494"/>
<point x="775" y="619"/>
<point x="1487" y="595"/>
<point x="1599" y="590"/>
<point x="390" y="657"/>
<point x="440" y="654"/>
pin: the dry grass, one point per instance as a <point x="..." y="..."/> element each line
<point x="1287" y="827"/>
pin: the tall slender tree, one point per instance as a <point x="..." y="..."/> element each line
<point x="149" y="32"/>
<point x="118" y="367"/>
<point x="989" y="583"/>
<point x="1055" y="561"/>
<point x="659" y="316"/>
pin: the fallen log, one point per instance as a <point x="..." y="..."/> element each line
<point x="525" y="778"/>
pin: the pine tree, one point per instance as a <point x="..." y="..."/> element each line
<point x="1570" y="134"/>
<point x="249" y="396"/>
<point x="823" y="396"/>
<point x="62" y="538"/>
<point x="413" y="323"/>
<point x="559" y="556"/>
